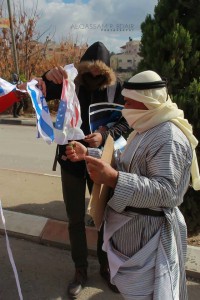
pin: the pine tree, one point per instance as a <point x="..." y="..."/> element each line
<point x="170" y="42"/>
<point x="170" y="45"/>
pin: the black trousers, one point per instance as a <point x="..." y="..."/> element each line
<point x="17" y="106"/>
<point x="74" y="189"/>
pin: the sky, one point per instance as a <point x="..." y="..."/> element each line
<point x="109" y="21"/>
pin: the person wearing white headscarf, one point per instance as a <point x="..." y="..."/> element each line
<point x="145" y="234"/>
<point x="160" y="109"/>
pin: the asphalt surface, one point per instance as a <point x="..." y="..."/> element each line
<point x="44" y="273"/>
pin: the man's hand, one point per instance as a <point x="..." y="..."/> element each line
<point x="41" y="85"/>
<point x="75" y="151"/>
<point x="101" y="172"/>
<point x="94" y="140"/>
<point x="23" y="86"/>
<point x="56" y="75"/>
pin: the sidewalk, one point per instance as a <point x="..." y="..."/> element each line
<point x="43" y="230"/>
<point x="49" y="231"/>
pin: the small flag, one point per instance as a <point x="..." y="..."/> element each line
<point x="68" y="121"/>
<point x="7" y="95"/>
<point x="44" y="122"/>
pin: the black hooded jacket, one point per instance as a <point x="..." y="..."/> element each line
<point x="96" y="57"/>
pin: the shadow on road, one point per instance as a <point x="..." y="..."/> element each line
<point x="52" y="210"/>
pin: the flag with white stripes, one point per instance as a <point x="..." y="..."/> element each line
<point x="44" y="122"/>
<point x="7" y="95"/>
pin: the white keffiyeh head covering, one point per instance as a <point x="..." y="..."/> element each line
<point x="160" y="109"/>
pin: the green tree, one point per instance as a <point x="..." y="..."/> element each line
<point x="170" y="42"/>
<point x="170" y="45"/>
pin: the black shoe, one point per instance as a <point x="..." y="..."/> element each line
<point x="76" y="286"/>
<point x="15" y="116"/>
<point x="105" y="274"/>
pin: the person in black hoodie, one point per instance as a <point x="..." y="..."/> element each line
<point x="96" y="82"/>
<point x="17" y="106"/>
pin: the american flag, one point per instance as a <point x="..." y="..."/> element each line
<point x="68" y="121"/>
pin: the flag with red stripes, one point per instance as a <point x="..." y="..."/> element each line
<point x="7" y="95"/>
<point x="68" y="120"/>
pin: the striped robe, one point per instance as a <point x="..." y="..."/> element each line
<point x="147" y="254"/>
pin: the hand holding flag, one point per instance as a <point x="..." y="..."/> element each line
<point x="68" y="119"/>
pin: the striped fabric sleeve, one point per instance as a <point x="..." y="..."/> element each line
<point x="164" y="185"/>
<point x="95" y="152"/>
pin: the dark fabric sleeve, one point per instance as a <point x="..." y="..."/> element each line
<point x="120" y="128"/>
<point x="53" y="91"/>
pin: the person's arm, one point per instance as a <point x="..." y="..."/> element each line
<point x="76" y="151"/>
<point x="99" y="171"/>
<point x="168" y="167"/>
<point x="98" y="139"/>
<point x="119" y="128"/>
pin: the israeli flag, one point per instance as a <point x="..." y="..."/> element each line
<point x="44" y="122"/>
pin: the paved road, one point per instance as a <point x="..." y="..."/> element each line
<point x="45" y="271"/>
<point x="21" y="150"/>
<point x="27" y="183"/>
<point x="24" y="160"/>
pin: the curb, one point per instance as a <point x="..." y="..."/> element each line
<point x="43" y="230"/>
<point x="193" y="261"/>
<point x="54" y="233"/>
<point x="13" y="121"/>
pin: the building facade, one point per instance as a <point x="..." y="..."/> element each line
<point x="128" y="59"/>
